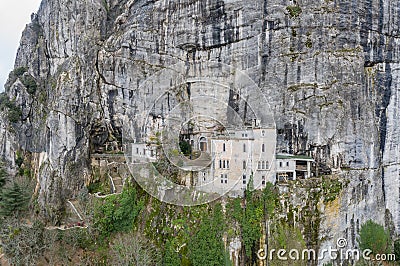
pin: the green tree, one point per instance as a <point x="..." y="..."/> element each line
<point x="206" y="246"/>
<point x="270" y="196"/>
<point x="19" y="71"/>
<point x="30" y="84"/>
<point x="15" y="200"/>
<point x="171" y="257"/>
<point x="373" y="236"/>
<point x="251" y="220"/>
<point x="185" y="147"/>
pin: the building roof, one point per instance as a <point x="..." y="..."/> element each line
<point x="294" y="157"/>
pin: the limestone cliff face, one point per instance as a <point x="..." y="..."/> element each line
<point x="330" y="70"/>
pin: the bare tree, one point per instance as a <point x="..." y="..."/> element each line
<point x="134" y="249"/>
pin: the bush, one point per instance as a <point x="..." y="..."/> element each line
<point x="294" y="11"/>
<point x="16" y="73"/>
<point x="118" y="212"/>
<point x="19" y="71"/>
<point x="373" y="236"/>
<point x="30" y="84"/>
<point x="14" y="112"/>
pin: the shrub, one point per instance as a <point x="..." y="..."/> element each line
<point x="14" y="112"/>
<point x="294" y="11"/>
<point x="19" y="71"/>
<point x="30" y="84"/>
<point x="118" y="212"/>
<point x="16" y="73"/>
<point x="373" y="236"/>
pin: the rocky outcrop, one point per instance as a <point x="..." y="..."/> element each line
<point x="329" y="69"/>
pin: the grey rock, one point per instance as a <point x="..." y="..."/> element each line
<point x="330" y="73"/>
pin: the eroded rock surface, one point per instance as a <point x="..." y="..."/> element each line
<point x="329" y="69"/>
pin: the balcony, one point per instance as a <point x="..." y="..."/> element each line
<point x="301" y="167"/>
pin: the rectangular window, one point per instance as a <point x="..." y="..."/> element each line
<point x="287" y="163"/>
<point x="227" y="164"/>
<point x="280" y="164"/>
<point x="263" y="147"/>
<point x="137" y="150"/>
<point x="259" y="165"/>
<point x="244" y="164"/>
<point x="220" y="164"/>
<point x="244" y="147"/>
<point x="224" y="164"/>
<point x="263" y="180"/>
<point x="224" y="178"/>
<point x="223" y="147"/>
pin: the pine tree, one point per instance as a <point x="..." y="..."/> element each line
<point x="14" y="200"/>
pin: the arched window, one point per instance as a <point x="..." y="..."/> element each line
<point x="244" y="147"/>
<point x="223" y="147"/>
<point x="203" y="144"/>
<point x="263" y="147"/>
<point x="244" y="164"/>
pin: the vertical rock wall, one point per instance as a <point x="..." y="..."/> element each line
<point x="328" y="68"/>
